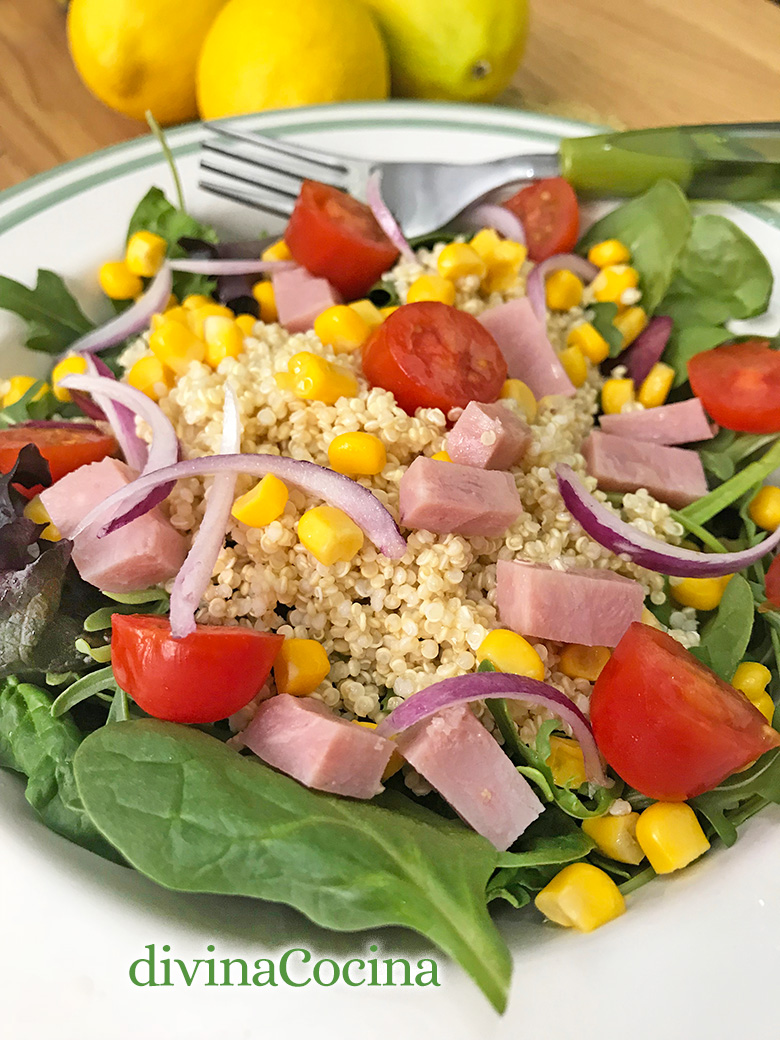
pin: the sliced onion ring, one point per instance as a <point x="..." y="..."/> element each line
<point x="646" y="350"/>
<point x="491" y="215"/>
<point x="534" y="286"/>
<point x="134" y="319"/>
<point x="227" y="266"/>
<point x="385" y="218"/>
<point x="486" y="685"/>
<point x="120" y="418"/>
<point x="621" y="538"/>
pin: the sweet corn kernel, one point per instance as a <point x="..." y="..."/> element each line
<point x="431" y="287"/>
<point x="611" y="282"/>
<point x="196" y="300"/>
<point x="150" y="376"/>
<point x="509" y="652"/>
<point x="701" y="593"/>
<point x="590" y="342"/>
<point x="656" y="385"/>
<point x="563" y="290"/>
<point x="485" y="243"/>
<point x="145" y="253"/>
<point x="396" y="760"/>
<point x="196" y="316"/>
<point x="173" y="301"/>
<point x="583" y="662"/>
<point x="387" y="311"/>
<point x="173" y="314"/>
<point x="441" y="456"/>
<point x="341" y="328"/>
<point x="615" y="837"/>
<point x="751" y="679"/>
<point x="317" y="379"/>
<point x="630" y="323"/>
<point x="35" y="510"/>
<point x="246" y="322"/>
<point x="118" y="282"/>
<point x="764" y="508"/>
<point x="649" y="618"/>
<point x="574" y="365"/>
<point x="263" y="504"/>
<point x="19" y="385"/>
<point x="670" y="836"/>
<point x="263" y="292"/>
<point x="357" y="454"/>
<point x="504" y="266"/>
<point x="765" y="705"/>
<point x="176" y="346"/>
<point x="458" y="260"/>
<point x="278" y="251"/>
<point x="615" y="393"/>
<point x="566" y="762"/>
<point x="300" y="667"/>
<point x="516" y="390"/>
<point x="370" y="314"/>
<point x="223" y="337"/>
<point x="329" y="534"/>
<point x="608" y="253"/>
<point x="69" y="366"/>
<point x="581" y="896"/>
<point x="285" y="381"/>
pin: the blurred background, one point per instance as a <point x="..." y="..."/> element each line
<point x="74" y="80"/>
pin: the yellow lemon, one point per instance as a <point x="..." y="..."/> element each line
<point x="141" y="54"/>
<point x="281" y="53"/>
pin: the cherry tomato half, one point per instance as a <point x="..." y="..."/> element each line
<point x="667" y="724"/>
<point x="430" y="355"/>
<point x="739" y="385"/>
<point x="550" y="216"/>
<point x="202" y="678"/>
<point x="336" y="237"/>
<point x="65" y="446"/>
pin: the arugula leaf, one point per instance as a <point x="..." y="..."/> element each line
<point x="54" y="319"/>
<point x="708" y="506"/>
<point x="602" y="319"/>
<point x="686" y="343"/>
<point x="725" y="638"/>
<point x="741" y="796"/>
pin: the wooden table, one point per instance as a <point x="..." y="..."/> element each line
<point x="628" y="62"/>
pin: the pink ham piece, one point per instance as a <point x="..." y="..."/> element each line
<point x="460" y="759"/>
<point x="681" y="423"/>
<point x="522" y="339"/>
<point x="304" y="739"/>
<point x="300" y="297"/>
<point x="450" y="499"/>
<point x="672" y="475"/>
<point x="488" y="436"/>
<point x="145" y="552"/>
<point x="578" y="605"/>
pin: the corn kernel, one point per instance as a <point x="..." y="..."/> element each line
<point x="509" y="652"/>
<point x="263" y="292"/>
<point x="278" y="251"/>
<point x="504" y="266"/>
<point x="615" y="393"/>
<point x="341" y="328"/>
<point x="150" y="376"/>
<point x="764" y="508"/>
<point x="300" y="667"/>
<point x="590" y="342"/>
<point x="224" y="339"/>
<point x="118" y="282"/>
<point x="656" y="386"/>
<point x="173" y="302"/>
<point x="611" y="282"/>
<point x="35" y="510"/>
<point x="583" y="662"/>
<point x="701" y="593"/>
<point x="387" y="311"/>
<point x="615" y="837"/>
<point x="145" y="253"/>
<point x="173" y="314"/>
<point x="263" y="504"/>
<point x="566" y="762"/>
<point x="518" y="391"/>
<point x="441" y="456"/>
<point x="649" y="618"/>
<point x="766" y="706"/>
<point x="246" y="322"/>
<point x="629" y="324"/>
<point x="329" y="534"/>
<point x="69" y="366"/>
<point x="608" y="253"/>
<point x="357" y="454"/>
<point x="18" y="387"/>
<point x="396" y="759"/>
<point x="458" y="260"/>
<point x="574" y="365"/>
<point x="581" y="896"/>
<point x="317" y="379"/>
<point x="176" y="346"/>
<point x="370" y="314"/>
<point x="431" y="287"/>
<point x="485" y="243"/>
<point x="751" y="679"/>
<point x="563" y="290"/>
<point x="285" y="381"/>
<point x="670" y="836"/>
<point x="196" y="316"/>
<point x="195" y="301"/>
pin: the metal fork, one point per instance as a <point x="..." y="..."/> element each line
<point x="267" y="174"/>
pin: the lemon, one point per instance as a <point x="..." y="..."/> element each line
<point x="458" y="50"/>
<point x="141" y="54"/>
<point x="280" y="53"/>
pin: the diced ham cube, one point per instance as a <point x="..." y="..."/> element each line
<point x="681" y="423"/>
<point x="460" y="759"/>
<point x="145" y="552"/>
<point x="577" y="605"/>
<point x="488" y="436"/>
<point x="304" y="739"/>
<point x="672" y="475"/>
<point x="447" y="498"/>
<point x="300" y="297"/>
<point x="523" y="341"/>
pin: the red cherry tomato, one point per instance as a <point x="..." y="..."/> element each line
<point x="739" y="385"/>
<point x="65" y="447"/>
<point x="202" y="678"/>
<point x="667" y="724"/>
<point x="550" y="216"/>
<point x="430" y="355"/>
<point x="773" y="583"/>
<point x="336" y="237"/>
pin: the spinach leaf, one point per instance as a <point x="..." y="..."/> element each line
<point x="54" y="319"/>
<point x="193" y="815"/>
<point x="602" y="318"/>
<point x="42" y="748"/>
<point x="741" y="796"/>
<point x="725" y="637"/>
<point x="685" y="343"/>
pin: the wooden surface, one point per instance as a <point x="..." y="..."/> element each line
<point x="627" y="62"/>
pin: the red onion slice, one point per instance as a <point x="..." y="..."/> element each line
<point x="621" y="538"/>
<point x="120" y="418"/>
<point x="534" y="286"/>
<point x="385" y="218"/>
<point x="485" y="685"/>
<point x="646" y="350"/>
<point x="196" y="571"/>
<point x="220" y="267"/>
<point x="490" y="215"/>
<point x="134" y="319"/>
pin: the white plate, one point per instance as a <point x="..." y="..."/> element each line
<point x="695" y="956"/>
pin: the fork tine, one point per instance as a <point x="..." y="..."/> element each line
<point x="296" y="151"/>
<point x="268" y="169"/>
<point x="251" y="195"/>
